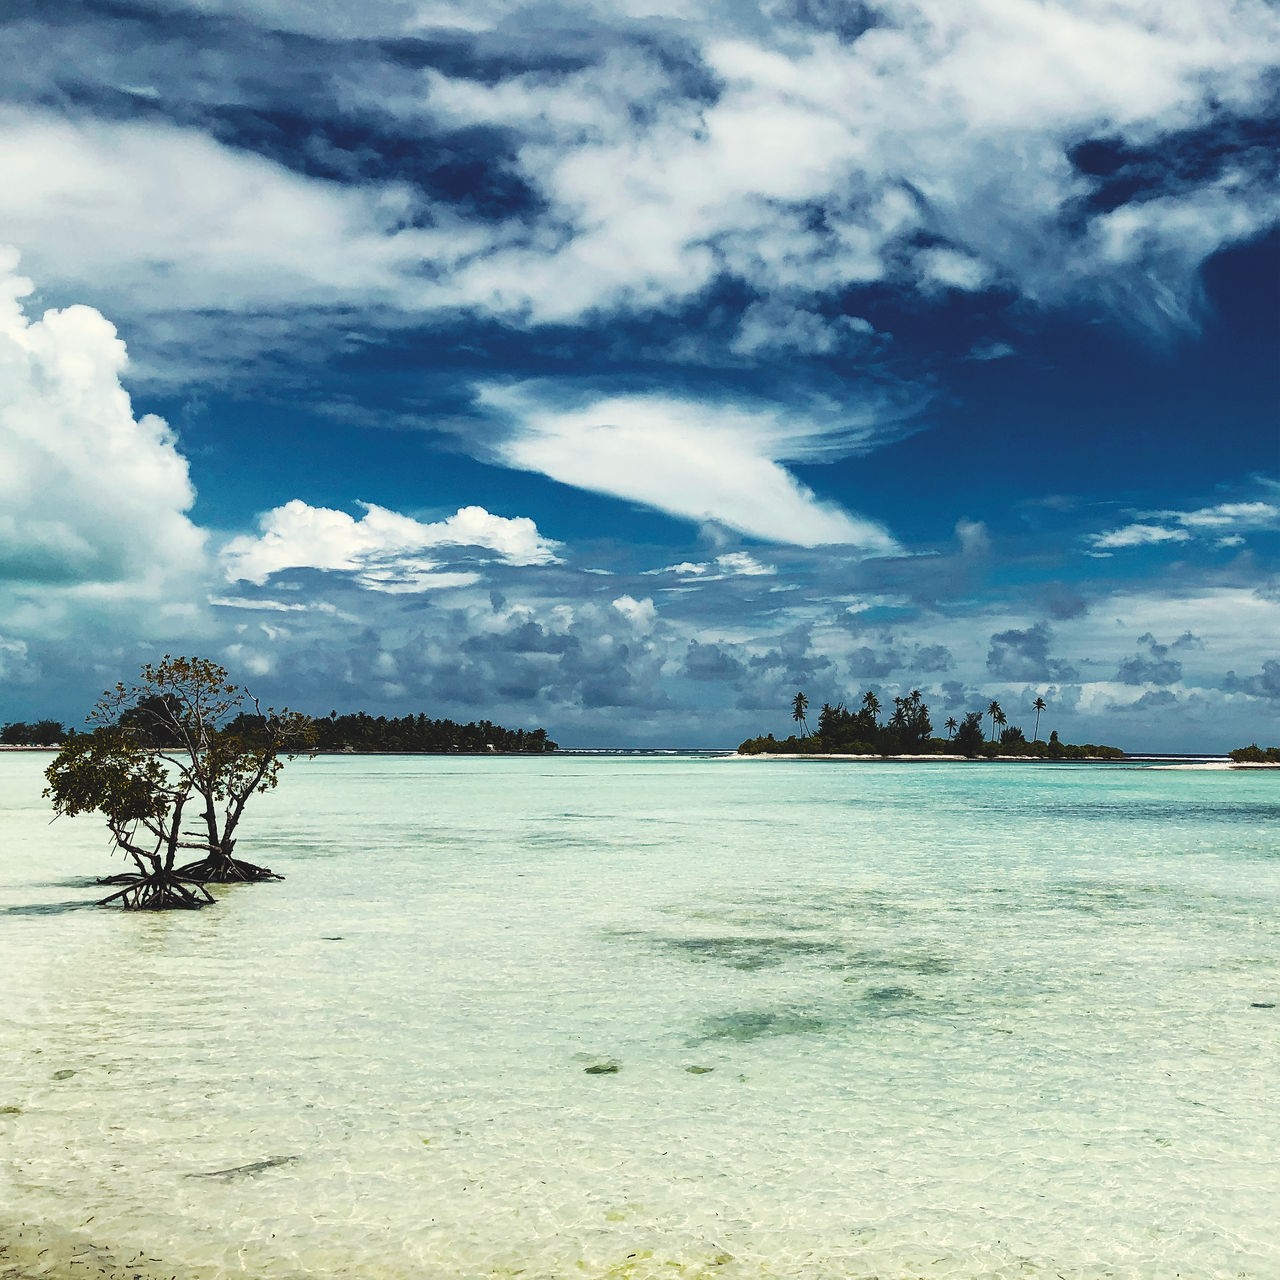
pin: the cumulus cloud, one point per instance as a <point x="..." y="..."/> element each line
<point x="1266" y="684"/>
<point x="866" y="663"/>
<point x="1024" y="655"/>
<point x="973" y="537"/>
<point x="640" y="613"/>
<point x="16" y="666"/>
<point x="383" y="549"/>
<point x="1152" y="700"/>
<point x="947" y="269"/>
<point x="696" y="461"/>
<point x="1154" y="666"/>
<point x="711" y="662"/>
<point x="519" y="662"/>
<point x="790" y="661"/>
<point x="90" y="495"/>
<point x="932" y="658"/>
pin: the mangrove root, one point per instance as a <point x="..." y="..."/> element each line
<point x="218" y="869"/>
<point x="162" y="892"/>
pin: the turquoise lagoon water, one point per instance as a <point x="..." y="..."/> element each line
<point x="664" y="1017"/>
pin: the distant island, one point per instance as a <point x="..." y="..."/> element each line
<point x="908" y="731"/>
<point x="357" y="732"/>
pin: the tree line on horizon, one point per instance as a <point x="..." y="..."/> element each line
<point x="908" y="730"/>
<point x="357" y="731"/>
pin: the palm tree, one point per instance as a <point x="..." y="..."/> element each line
<point x="871" y="705"/>
<point x="799" y="705"/>
<point x="952" y="726"/>
<point x="1039" y="704"/>
<point x="997" y="717"/>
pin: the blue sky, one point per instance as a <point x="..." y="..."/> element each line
<point x="625" y="367"/>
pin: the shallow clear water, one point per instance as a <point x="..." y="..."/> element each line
<point x="868" y="1020"/>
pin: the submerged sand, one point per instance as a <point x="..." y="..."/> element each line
<point x="39" y="1252"/>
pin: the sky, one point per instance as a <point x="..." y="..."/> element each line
<point x="626" y="366"/>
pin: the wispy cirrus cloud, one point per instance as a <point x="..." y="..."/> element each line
<point x="732" y="564"/>
<point x="692" y="460"/>
<point x="1227" y="523"/>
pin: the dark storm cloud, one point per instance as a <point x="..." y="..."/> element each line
<point x="1155" y="666"/>
<point x="772" y="677"/>
<point x="930" y="659"/>
<point x="1152" y="700"/>
<point x="711" y="661"/>
<point x="1266" y="684"/>
<point x="1063" y="604"/>
<point x="1024" y="655"/>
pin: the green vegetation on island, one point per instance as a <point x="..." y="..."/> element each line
<point x="43" y="733"/>
<point x="418" y="733"/>
<point x="908" y="731"/>
<point x="1254" y="754"/>
<point x="357" y="731"/>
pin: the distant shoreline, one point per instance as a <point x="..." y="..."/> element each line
<point x="1150" y="761"/>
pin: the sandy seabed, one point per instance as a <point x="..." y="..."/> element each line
<point x="31" y="1252"/>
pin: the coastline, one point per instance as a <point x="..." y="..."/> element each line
<point x="1199" y="765"/>
<point x="841" y="755"/>
<point x="939" y="757"/>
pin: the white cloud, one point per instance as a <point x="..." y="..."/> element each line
<point x="948" y="269"/>
<point x="1138" y="535"/>
<point x="92" y="498"/>
<point x="156" y="219"/>
<point x="378" y="18"/>
<point x="642" y="614"/>
<point x="685" y="569"/>
<point x="973" y="536"/>
<point x="775" y="326"/>
<point x="813" y="164"/>
<point x="733" y="564"/>
<point x="15" y="662"/>
<point x="742" y="564"/>
<point x="1232" y="625"/>
<point x="383" y="548"/>
<point x="984" y="351"/>
<point x="954" y="121"/>
<point x="1226" y="523"/>
<point x="698" y="462"/>
<point x="1232" y="515"/>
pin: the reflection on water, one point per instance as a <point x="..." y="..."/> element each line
<point x="677" y="1018"/>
